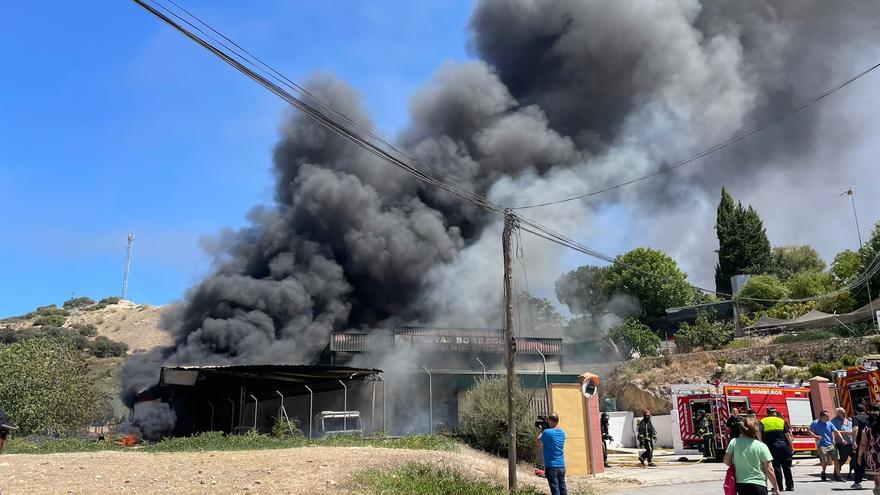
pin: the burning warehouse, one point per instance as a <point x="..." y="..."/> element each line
<point x="239" y="398"/>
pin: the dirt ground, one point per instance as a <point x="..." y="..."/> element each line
<point x="307" y="470"/>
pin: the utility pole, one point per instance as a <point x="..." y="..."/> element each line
<point x="509" y="221"/>
<point x="127" y="266"/>
<point x="852" y="196"/>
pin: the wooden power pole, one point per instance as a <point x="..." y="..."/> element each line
<point x="511" y="349"/>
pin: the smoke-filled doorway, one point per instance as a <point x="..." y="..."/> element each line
<point x="241" y="398"/>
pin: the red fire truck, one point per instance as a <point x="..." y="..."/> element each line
<point x="791" y="401"/>
<point x="858" y="384"/>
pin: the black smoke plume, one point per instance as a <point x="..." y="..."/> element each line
<point x="566" y="97"/>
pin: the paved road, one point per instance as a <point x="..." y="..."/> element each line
<point x="675" y="478"/>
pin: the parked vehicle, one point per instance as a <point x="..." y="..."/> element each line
<point x="338" y="423"/>
<point x="792" y="401"/>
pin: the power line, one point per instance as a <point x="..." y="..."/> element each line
<point x="724" y="144"/>
<point x="322" y="113"/>
<point x="540" y="231"/>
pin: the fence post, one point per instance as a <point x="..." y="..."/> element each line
<point x="256" y="406"/>
<point x="311" y="399"/>
<point x="384" y="403"/>
<point x="344" y="406"/>
<point x="211" y="405"/>
<point x="231" y="416"/>
<point x="430" y="401"/>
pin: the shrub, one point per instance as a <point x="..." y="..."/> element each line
<point x="484" y="419"/>
<point x="705" y="333"/>
<point x="103" y="347"/>
<point x="86" y="330"/>
<point x="768" y="374"/>
<point x="78" y="302"/>
<point x="633" y="337"/>
<point x="766" y="287"/>
<point x="282" y="429"/>
<point x="874" y="344"/>
<point x="823" y="369"/>
<point x="49" y="320"/>
<point x="45" y="387"/>
<point x="107" y="301"/>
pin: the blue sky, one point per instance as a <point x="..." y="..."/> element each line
<point x="111" y="123"/>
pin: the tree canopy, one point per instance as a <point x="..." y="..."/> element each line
<point x="743" y="246"/>
<point x="846" y="265"/>
<point x="633" y="337"/>
<point x="45" y="387"/>
<point x="809" y="284"/>
<point x="538" y="316"/>
<point x="790" y="260"/>
<point x="766" y="287"/>
<point x="653" y="278"/>
<point x="583" y="290"/>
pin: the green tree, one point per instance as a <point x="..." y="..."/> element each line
<point x="633" y="337"/>
<point x="653" y="278"/>
<point x="705" y="333"/>
<point x="869" y="251"/>
<point x="765" y="288"/>
<point x="846" y="265"/>
<point x="538" y="315"/>
<point x="583" y="290"/>
<point x="790" y="260"/>
<point x="45" y="387"/>
<point x="484" y="419"/>
<point x="809" y="284"/>
<point x="742" y="242"/>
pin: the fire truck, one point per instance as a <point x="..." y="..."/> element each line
<point x="791" y="401"/>
<point x="858" y="384"/>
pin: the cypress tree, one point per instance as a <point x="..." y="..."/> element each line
<point x="743" y="246"/>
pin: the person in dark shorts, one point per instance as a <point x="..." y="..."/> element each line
<point x="777" y="436"/>
<point x="843" y="445"/>
<point x="860" y="423"/>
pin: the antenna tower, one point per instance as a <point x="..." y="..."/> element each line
<point x="127" y="266"/>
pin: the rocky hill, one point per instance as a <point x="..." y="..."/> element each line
<point x="136" y="325"/>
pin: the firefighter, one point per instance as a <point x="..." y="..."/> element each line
<point x="647" y="437"/>
<point x="704" y="429"/>
<point x="606" y="437"/>
<point x="777" y="436"/>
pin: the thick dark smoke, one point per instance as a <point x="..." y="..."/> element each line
<point x="568" y="96"/>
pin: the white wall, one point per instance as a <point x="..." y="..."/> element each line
<point x="620" y="428"/>
<point x="663" y="424"/>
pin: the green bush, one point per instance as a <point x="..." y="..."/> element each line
<point x="78" y="302"/>
<point x="768" y="374"/>
<point x="103" y="347"/>
<point x="874" y="345"/>
<point x="86" y="330"/>
<point x="49" y="320"/>
<point x="45" y="387"/>
<point x="823" y="369"/>
<point x="705" y="333"/>
<point x="484" y="419"/>
<point x="108" y="301"/>
<point x="633" y="337"/>
<point x="282" y="429"/>
<point x="767" y="288"/>
<point x="805" y="336"/>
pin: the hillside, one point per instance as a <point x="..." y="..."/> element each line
<point x="136" y="325"/>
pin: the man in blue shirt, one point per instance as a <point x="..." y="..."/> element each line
<point x="553" y="446"/>
<point x="844" y="449"/>
<point x="826" y="434"/>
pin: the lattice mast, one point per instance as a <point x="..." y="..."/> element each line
<point x="127" y="266"/>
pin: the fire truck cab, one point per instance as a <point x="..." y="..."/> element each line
<point x="719" y="402"/>
<point x="858" y="384"/>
